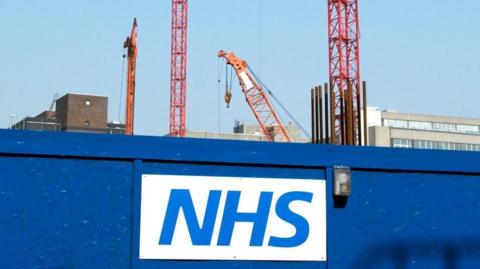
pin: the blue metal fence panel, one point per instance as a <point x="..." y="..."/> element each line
<point x="73" y="200"/>
<point x="65" y="213"/>
<point x="407" y="220"/>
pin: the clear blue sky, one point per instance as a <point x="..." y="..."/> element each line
<point x="418" y="56"/>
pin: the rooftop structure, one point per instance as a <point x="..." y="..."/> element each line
<point x="251" y="132"/>
<point x="44" y="121"/>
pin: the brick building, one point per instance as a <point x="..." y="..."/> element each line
<point x="74" y="113"/>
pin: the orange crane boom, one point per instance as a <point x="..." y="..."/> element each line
<point x="131" y="45"/>
<point x="257" y="99"/>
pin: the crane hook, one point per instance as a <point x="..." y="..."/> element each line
<point x="228" y="97"/>
<point x="228" y="86"/>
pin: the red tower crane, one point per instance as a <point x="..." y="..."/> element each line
<point x="131" y="45"/>
<point x="178" y="77"/>
<point x="344" y="71"/>
<point x="257" y="99"/>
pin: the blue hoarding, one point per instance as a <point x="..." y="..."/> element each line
<point x="77" y="201"/>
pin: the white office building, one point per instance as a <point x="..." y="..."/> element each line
<point x="406" y="130"/>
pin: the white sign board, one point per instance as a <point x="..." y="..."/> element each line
<point x="227" y="218"/>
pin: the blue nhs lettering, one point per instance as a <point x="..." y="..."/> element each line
<point x="201" y="233"/>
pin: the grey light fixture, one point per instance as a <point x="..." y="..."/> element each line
<point x="342" y="181"/>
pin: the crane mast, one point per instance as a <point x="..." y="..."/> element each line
<point x="131" y="45"/>
<point x="178" y="76"/>
<point x="257" y="99"/>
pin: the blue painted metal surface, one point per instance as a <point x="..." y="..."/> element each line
<point x="72" y="200"/>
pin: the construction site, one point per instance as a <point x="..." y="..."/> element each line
<point x="338" y="111"/>
<point x="341" y="97"/>
<point x="311" y="176"/>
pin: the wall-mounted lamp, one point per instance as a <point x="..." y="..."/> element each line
<point x="342" y="181"/>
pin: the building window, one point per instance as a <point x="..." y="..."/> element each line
<point x="88" y="103"/>
<point x="462" y="128"/>
<point x="444" y="127"/>
<point x="424" y="144"/>
<point x="433" y="126"/>
<point x="401" y="143"/>
<point x="397" y="123"/>
<point x="421" y="125"/>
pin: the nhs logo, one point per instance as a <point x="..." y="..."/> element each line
<point x="227" y="218"/>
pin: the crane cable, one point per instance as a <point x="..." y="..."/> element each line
<point x="121" y="86"/>
<point x="219" y="81"/>
<point x="280" y="104"/>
